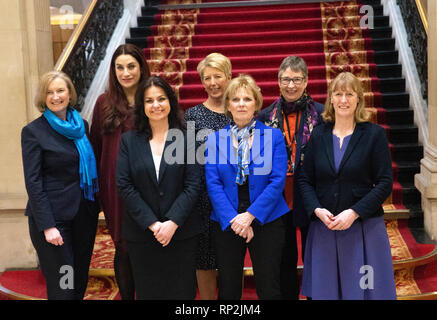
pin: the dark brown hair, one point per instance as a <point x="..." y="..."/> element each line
<point x="175" y="118"/>
<point x="116" y="108"/>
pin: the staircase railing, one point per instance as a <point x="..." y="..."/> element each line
<point x="87" y="45"/>
<point x="416" y="23"/>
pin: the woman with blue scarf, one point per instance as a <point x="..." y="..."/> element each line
<point x="245" y="170"/>
<point x="61" y="181"/>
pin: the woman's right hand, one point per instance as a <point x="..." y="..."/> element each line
<point x="53" y="236"/>
<point x="324" y="215"/>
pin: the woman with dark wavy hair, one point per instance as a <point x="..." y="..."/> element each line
<point x="113" y="115"/>
<point x="159" y="188"/>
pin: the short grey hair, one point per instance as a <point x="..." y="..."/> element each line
<point x="295" y="63"/>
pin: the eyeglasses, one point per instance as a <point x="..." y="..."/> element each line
<point x="296" y="80"/>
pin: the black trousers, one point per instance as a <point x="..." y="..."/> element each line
<point x="265" y="252"/>
<point x="65" y="268"/>
<point x="289" y="275"/>
<point x="164" y="273"/>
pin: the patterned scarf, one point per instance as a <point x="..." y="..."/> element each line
<point x="243" y="153"/>
<point x="74" y="129"/>
<point x="309" y="112"/>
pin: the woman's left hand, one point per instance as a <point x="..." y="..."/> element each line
<point x="241" y="223"/>
<point x="343" y="220"/>
<point x="166" y="232"/>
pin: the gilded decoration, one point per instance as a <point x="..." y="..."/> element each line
<point x="172" y="18"/>
<point x="175" y="65"/>
<point x="359" y="70"/>
<point x="176" y="30"/>
<point x="169" y="53"/>
<point x="343" y="33"/>
<point x="175" y="2"/>
<point x="344" y="45"/>
<point x="172" y="41"/>
<point x="172" y="78"/>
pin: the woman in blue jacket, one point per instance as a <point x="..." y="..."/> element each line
<point x="245" y="187"/>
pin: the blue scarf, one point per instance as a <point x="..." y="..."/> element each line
<point x="74" y="129"/>
<point x="243" y="154"/>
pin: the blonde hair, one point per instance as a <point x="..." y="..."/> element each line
<point x="46" y="79"/>
<point x="217" y="61"/>
<point x="242" y="81"/>
<point x="344" y="81"/>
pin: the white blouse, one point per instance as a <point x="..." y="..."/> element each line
<point x="157" y="162"/>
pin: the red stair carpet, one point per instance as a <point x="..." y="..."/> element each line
<point x="411" y="280"/>
<point x="256" y="39"/>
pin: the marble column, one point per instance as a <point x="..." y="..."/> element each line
<point x="26" y="54"/>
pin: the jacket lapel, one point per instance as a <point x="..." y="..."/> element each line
<point x="145" y="154"/>
<point x="258" y="143"/>
<point x="163" y="165"/>
<point x="327" y="139"/>
<point x="353" y="142"/>
<point x="226" y="148"/>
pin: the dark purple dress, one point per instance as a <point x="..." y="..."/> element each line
<point x="204" y="118"/>
<point x="353" y="264"/>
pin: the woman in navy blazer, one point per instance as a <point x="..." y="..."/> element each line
<point x="159" y="187"/>
<point x="62" y="210"/>
<point x="347" y="177"/>
<point x="246" y="164"/>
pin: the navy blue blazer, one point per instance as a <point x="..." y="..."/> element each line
<point x="267" y="172"/>
<point x="300" y="217"/>
<point x="363" y="181"/>
<point x="51" y="174"/>
<point x="148" y="199"/>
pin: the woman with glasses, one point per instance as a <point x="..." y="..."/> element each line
<point x="296" y="114"/>
<point x="346" y="177"/>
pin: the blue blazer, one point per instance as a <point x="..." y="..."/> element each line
<point x="267" y="172"/>
<point x="51" y="173"/>
<point x="363" y="181"/>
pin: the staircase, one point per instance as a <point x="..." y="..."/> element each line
<point x="256" y="38"/>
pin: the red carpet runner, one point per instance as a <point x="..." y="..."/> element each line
<point x="256" y="39"/>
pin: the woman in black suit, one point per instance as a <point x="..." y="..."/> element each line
<point x="347" y="177"/>
<point x="61" y="181"/>
<point x="159" y="188"/>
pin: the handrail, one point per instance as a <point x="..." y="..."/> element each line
<point x="86" y="47"/>
<point x="74" y="37"/>
<point x="422" y="15"/>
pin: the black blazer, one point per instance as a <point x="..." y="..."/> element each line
<point x="364" y="180"/>
<point x="51" y="174"/>
<point x="148" y="200"/>
<point x="300" y="217"/>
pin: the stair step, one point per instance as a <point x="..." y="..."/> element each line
<point x="410" y="195"/>
<point x="391" y="85"/>
<point x="407" y="170"/>
<point x="399" y="116"/>
<point x="396" y="100"/>
<point x="150" y="11"/>
<point x="403" y="134"/>
<point x="407" y="152"/>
